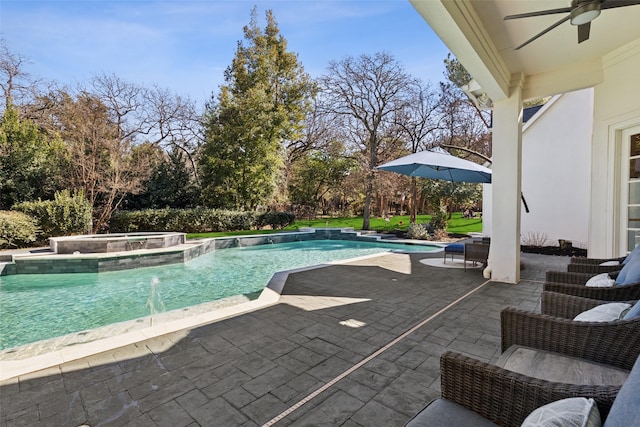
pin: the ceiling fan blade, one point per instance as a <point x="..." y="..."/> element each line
<point x="583" y="32"/>
<point x="610" y="4"/>
<point x="539" y="13"/>
<point x="543" y="32"/>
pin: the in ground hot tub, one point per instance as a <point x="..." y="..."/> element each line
<point x="117" y="242"/>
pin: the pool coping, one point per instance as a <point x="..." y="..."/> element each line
<point x="13" y="370"/>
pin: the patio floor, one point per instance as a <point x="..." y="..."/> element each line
<point x="356" y="344"/>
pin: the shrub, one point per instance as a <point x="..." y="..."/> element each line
<point x="276" y="219"/>
<point x="17" y="230"/>
<point x="417" y="231"/>
<point x="197" y="220"/>
<point x="535" y="239"/>
<point x="439" y="220"/>
<point x="67" y="214"/>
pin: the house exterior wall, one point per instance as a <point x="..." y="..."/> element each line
<point x="555" y="172"/>
<point x="616" y="108"/>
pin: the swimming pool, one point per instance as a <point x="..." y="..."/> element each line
<point x="40" y="306"/>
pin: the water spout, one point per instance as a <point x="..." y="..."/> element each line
<point x="238" y="242"/>
<point x="270" y="241"/>
<point x="154" y="302"/>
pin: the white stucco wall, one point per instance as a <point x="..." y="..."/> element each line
<point x="555" y="171"/>
<point x="616" y="107"/>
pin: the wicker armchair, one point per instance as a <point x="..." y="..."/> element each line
<point x="568" y="306"/>
<point x="592" y="268"/>
<point x="573" y="284"/>
<point x="593" y="261"/>
<point x="502" y="396"/>
<point x="475" y="252"/>
<point x="614" y="343"/>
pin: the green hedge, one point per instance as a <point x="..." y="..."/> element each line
<point x="67" y="214"/>
<point x="17" y="230"/>
<point x="198" y="220"/>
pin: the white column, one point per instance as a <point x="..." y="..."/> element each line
<point x="504" y="256"/>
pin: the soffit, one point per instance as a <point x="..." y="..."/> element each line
<point x="553" y="63"/>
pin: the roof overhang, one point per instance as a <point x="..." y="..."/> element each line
<point x="484" y="43"/>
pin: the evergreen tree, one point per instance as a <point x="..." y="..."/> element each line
<point x="261" y="106"/>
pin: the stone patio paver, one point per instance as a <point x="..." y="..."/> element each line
<point x="247" y="369"/>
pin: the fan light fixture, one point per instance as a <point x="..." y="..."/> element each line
<point x="585" y="13"/>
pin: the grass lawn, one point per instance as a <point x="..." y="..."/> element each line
<point x="456" y="224"/>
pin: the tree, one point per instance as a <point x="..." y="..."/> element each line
<point x="103" y="164"/>
<point x="15" y="82"/>
<point x="170" y="184"/>
<point x="420" y="120"/>
<point x="317" y="175"/>
<point x="365" y="95"/>
<point x="30" y="161"/>
<point x="261" y="106"/>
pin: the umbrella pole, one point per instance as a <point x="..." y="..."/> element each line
<point x="414" y="200"/>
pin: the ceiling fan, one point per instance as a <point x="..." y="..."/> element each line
<point x="580" y="13"/>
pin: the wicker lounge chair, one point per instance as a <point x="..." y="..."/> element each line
<point x="574" y="284"/>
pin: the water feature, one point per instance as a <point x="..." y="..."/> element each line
<point x="39" y="306"/>
<point x="155" y="302"/>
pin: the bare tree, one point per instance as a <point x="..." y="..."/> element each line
<point x="364" y="95"/>
<point x="420" y="121"/>
<point x="153" y="115"/>
<point x="17" y="85"/>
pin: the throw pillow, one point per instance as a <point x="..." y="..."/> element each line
<point x="603" y="313"/>
<point x="571" y="412"/>
<point x="609" y="263"/>
<point x="630" y="273"/>
<point x="600" y="281"/>
<point x="633" y="313"/>
<point x="634" y="253"/>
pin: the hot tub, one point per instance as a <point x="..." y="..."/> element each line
<point x="117" y="242"/>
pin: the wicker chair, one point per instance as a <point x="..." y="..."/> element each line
<point x="593" y="261"/>
<point x="475" y="252"/>
<point x="502" y="396"/>
<point x="592" y="268"/>
<point x="506" y="397"/>
<point x="574" y="284"/>
<point x="616" y="343"/>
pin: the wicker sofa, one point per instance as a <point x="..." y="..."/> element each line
<point x="478" y="393"/>
<point x="574" y="284"/>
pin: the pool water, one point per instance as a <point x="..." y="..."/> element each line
<point x="34" y="307"/>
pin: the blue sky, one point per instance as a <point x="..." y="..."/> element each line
<point x="185" y="45"/>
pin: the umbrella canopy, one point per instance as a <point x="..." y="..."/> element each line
<point x="439" y="165"/>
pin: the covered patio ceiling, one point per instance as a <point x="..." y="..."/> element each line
<point x="479" y="37"/>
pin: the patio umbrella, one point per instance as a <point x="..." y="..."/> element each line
<point x="438" y="165"/>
